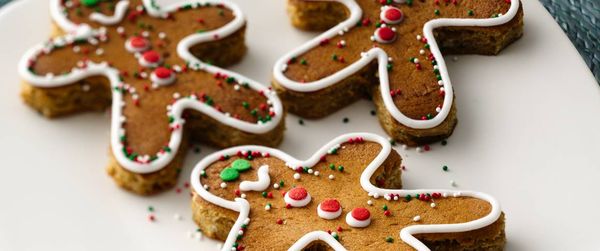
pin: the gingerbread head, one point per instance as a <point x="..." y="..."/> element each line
<point x="346" y="196"/>
<point x="156" y="67"/>
<point x="391" y="51"/>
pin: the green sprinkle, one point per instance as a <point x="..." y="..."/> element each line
<point x="303" y="62"/>
<point x="407" y="197"/>
<point x="389" y="239"/>
<point x="385" y="207"/>
<point x="436" y="12"/>
<point x="281" y="183"/>
<point x="373" y="113"/>
<point x="445" y="168"/>
<point x="470" y="12"/>
<point x="264" y="194"/>
<point x="409" y="2"/>
<point x="245" y="105"/>
<point x="332" y="166"/>
<point x="301" y="122"/>
<point x="346" y="120"/>
<point x="334" y="57"/>
<point x="150" y="209"/>
<point x="341" y="168"/>
<point x="229" y="174"/>
<point x="444" y="142"/>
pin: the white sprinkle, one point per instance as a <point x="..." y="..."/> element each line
<point x="375" y="195"/>
<point x="99" y="51"/>
<point x="145" y="34"/>
<point x="205" y="187"/>
<point x="331" y="177"/>
<point x="243" y="196"/>
<point x="276" y="186"/>
<point x="76" y="49"/>
<point x="372" y="38"/>
<point x="176" y="95"/>
<point x="440" y="82"/>
<point x="417" y="218"/>
<point x="236" y="87"/>
<point x="310" y="171"/>
<point x="455" y="58"/>
<point x="120" y="30"/>
<point x="317" y="173"/>
<point x="387" y="197"/>
<point x="404" y="146"/>
<point x="296" y="176"/>
<point x="419" y="37"/>
<point x="247" y="221"/>
<point x="85" y="88"/>
<point x="267" y="207"/>
<point x="370" y="202"/>
<point x="223" y="185"/>
<point x="341" y="33"/>
<point x="416" y="61"/>
<point x="390" y="59"/>
<point x="162" y="35"/>
<point x="432" y="205"/>
<point x="419" y="149"/>
<point x="444" y="195"/>
<point x="422" y="52"/>
<point x="438" y="109"/>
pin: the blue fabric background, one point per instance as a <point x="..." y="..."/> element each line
<point x="580" y="19"/>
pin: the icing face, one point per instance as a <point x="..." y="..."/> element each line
<point x="369" y="214"/>
<point x="157" y="84"/>
<point x="399" y="36"/>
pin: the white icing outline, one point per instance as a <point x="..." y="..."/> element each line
<point x="297" y="203"/>
<point x="120" y="10"/>
<point x="84" y="31"/>
<point x="406" y="234"/>
<point x="328" y="215"/>
<point x="357" y="223"/>
<point x="263" y="182"/>
<point x="382" y="59"/>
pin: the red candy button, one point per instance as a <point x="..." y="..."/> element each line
<point x="151" y="56"/>
<point x="330" y="205"/>
<point x="392" y="15"/>
<point x="138" y="42"/>
<point x="386" y="34"/>
<point x="361" y="214"/>
<point x="162" y="73"/>
<point x="298" y="193"/>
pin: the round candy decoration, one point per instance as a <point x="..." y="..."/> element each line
<point x="162" y="76"/>
<point x="229" y="174"/>
<point x="137" y="44"/>
<point x="297" y="197"/>
<point x="391" y="15"/>
<point x="241" y="165"/>
<point x="150" y="59"/>
<point x="385" y="34"/>
<point x="90" y="3"/>
<point x="329" y="209"/>
<point x="359" y="217"/>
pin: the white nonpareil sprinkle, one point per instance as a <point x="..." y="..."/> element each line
<point x="243" y="196"/>
<point x="223" y="185"/>
<point x="296" y="176"/>
<point x="419" y="149"/>
<point x="417" y="218"/>
<point x="331" y="177"/>
<point x="432" y="205"/>
<point x="276" y="186"/>
<point x="370" y="202"/>
<point x="316" y="173"/>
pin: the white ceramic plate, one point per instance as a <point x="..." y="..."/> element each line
<point x="529" y="134"/>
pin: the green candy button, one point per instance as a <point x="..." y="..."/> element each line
<point x="90" y="3"/>
<point x="241" y="165"/>
<point x="229" y="174"/>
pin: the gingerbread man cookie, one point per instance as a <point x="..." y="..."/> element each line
<point x="390" y="51"/>
<point x="155" y="67"/>
<point x="346" y="196"/>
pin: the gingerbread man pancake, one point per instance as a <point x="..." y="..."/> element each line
<point x="346" y="196"/>
<point x="390" y="51"/>
<point x="155" y="67"/>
